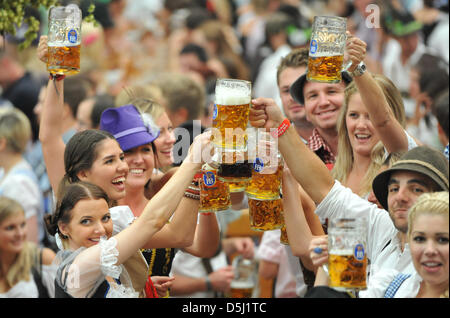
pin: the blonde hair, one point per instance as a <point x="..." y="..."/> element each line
<point x="26" y="258"/>
<point x="434" y="203"/>
<point x="15" y="127"/>
<point x="344" y="160"/>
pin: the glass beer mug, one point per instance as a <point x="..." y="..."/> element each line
<point x="284" y="239"/>
<point x="267" y="171"/>
<point x="265" y="215"/>
<point x="244" y="280"/>
<point x="214" y="193"/>
<point x="326" y="49"/>
<point x="232" y="166"/>
<point x="64" y="39"/>
<point x="230" y="114"/>
<point x="347" y="260"/>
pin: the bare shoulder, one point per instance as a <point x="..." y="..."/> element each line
<point x="47" y="256"/>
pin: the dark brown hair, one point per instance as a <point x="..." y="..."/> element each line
<point x="70" y="195"/>
<point x="81" y="152"/>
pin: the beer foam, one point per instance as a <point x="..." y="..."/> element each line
<point x="324" y="54"/>
<point x="343" y="252"/>
<point x="231" y="96"/>
<point x="241" y="284"/>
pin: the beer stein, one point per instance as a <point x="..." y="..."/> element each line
<point x="326" y="49"/>
<point x="230" y="114"/>
<point x="267" y="171"/>
<point x="347" y="260"/>
<point x="265" y="215"/>
<point x="64" y="39"/>
<point x="232" y="166"/>
<point x="244" y="280"/>
<point x="214" y="194"/>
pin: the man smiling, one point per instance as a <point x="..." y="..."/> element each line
<point x="322" y="104"/>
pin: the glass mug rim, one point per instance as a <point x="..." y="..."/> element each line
<point x="319" y="18"/>
<point x="225" y="79"/>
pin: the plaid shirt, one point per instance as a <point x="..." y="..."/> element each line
<point x="321" y="148"/>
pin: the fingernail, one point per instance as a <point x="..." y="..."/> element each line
<point x="318" y="250"/>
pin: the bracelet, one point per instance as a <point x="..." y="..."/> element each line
<point x="194" y="188"/>
<point x="208" y="284"/>
<point x="192" y="191"/>
<point x="192" y="196"/>
<point x="57" y="77"/>
<point x="281" y="129"/>
<point x="206" y="213"/>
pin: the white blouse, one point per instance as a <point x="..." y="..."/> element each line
<point x="80" y="274"/>
<point x="28" y="289"/>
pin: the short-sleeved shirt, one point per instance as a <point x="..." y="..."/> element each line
<point x="383" y="245"/>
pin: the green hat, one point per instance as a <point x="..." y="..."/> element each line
<point x="400" y="24"/>
<point x="424" y="160"/>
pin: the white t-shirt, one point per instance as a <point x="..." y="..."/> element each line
<point x="188" y="265"/>
<point x="29" y="289"/>
<point x="383" y="246"/>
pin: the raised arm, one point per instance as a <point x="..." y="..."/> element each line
<point x="183" y="231"/>
<point x="297" y="228"/>
<point x="381" y="115"/>
<point x="153" y="218"/>
<point x="305" y="166"/>
<point x="207" y="237"/>
<point x="50" y="127"/>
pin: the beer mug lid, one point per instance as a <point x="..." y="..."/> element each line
<point x="296" y="88"/>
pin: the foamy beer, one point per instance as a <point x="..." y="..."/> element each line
<point x="244" y="279"/>
<point x="326" y="49"/>
<point x="238" y="186"/>
<point x="214" y="193"/>
<point x="267" y="171"/>
<point x="64" y="40"/>
<point x="265" y="185"/>
<point x="347" y="261"/>
<point x="230" y="115"/>
<point x="265" y="215"/>
<point x="241" y="289"/>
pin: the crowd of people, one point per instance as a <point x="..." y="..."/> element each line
<point x="99" y="171"/>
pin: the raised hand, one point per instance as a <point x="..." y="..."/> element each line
<point x="265" y="113"/>
<point x="42" y="50"/>
<point x="355" y="51"/>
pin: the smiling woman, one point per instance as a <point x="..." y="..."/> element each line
<point x="25" y="269"/>
<point x="428" y="238"/>
<point x="363" y="144"/>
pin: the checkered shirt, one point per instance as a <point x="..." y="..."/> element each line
<point x="395" y="285"/>
<point x="320" y="147"/>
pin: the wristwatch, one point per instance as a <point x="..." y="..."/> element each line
<point x="359" y="70"/>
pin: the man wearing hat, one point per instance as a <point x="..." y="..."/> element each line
<point x="403" y="51"/>
<point x="420" y="170"/>
<point x="322" y="104"/>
